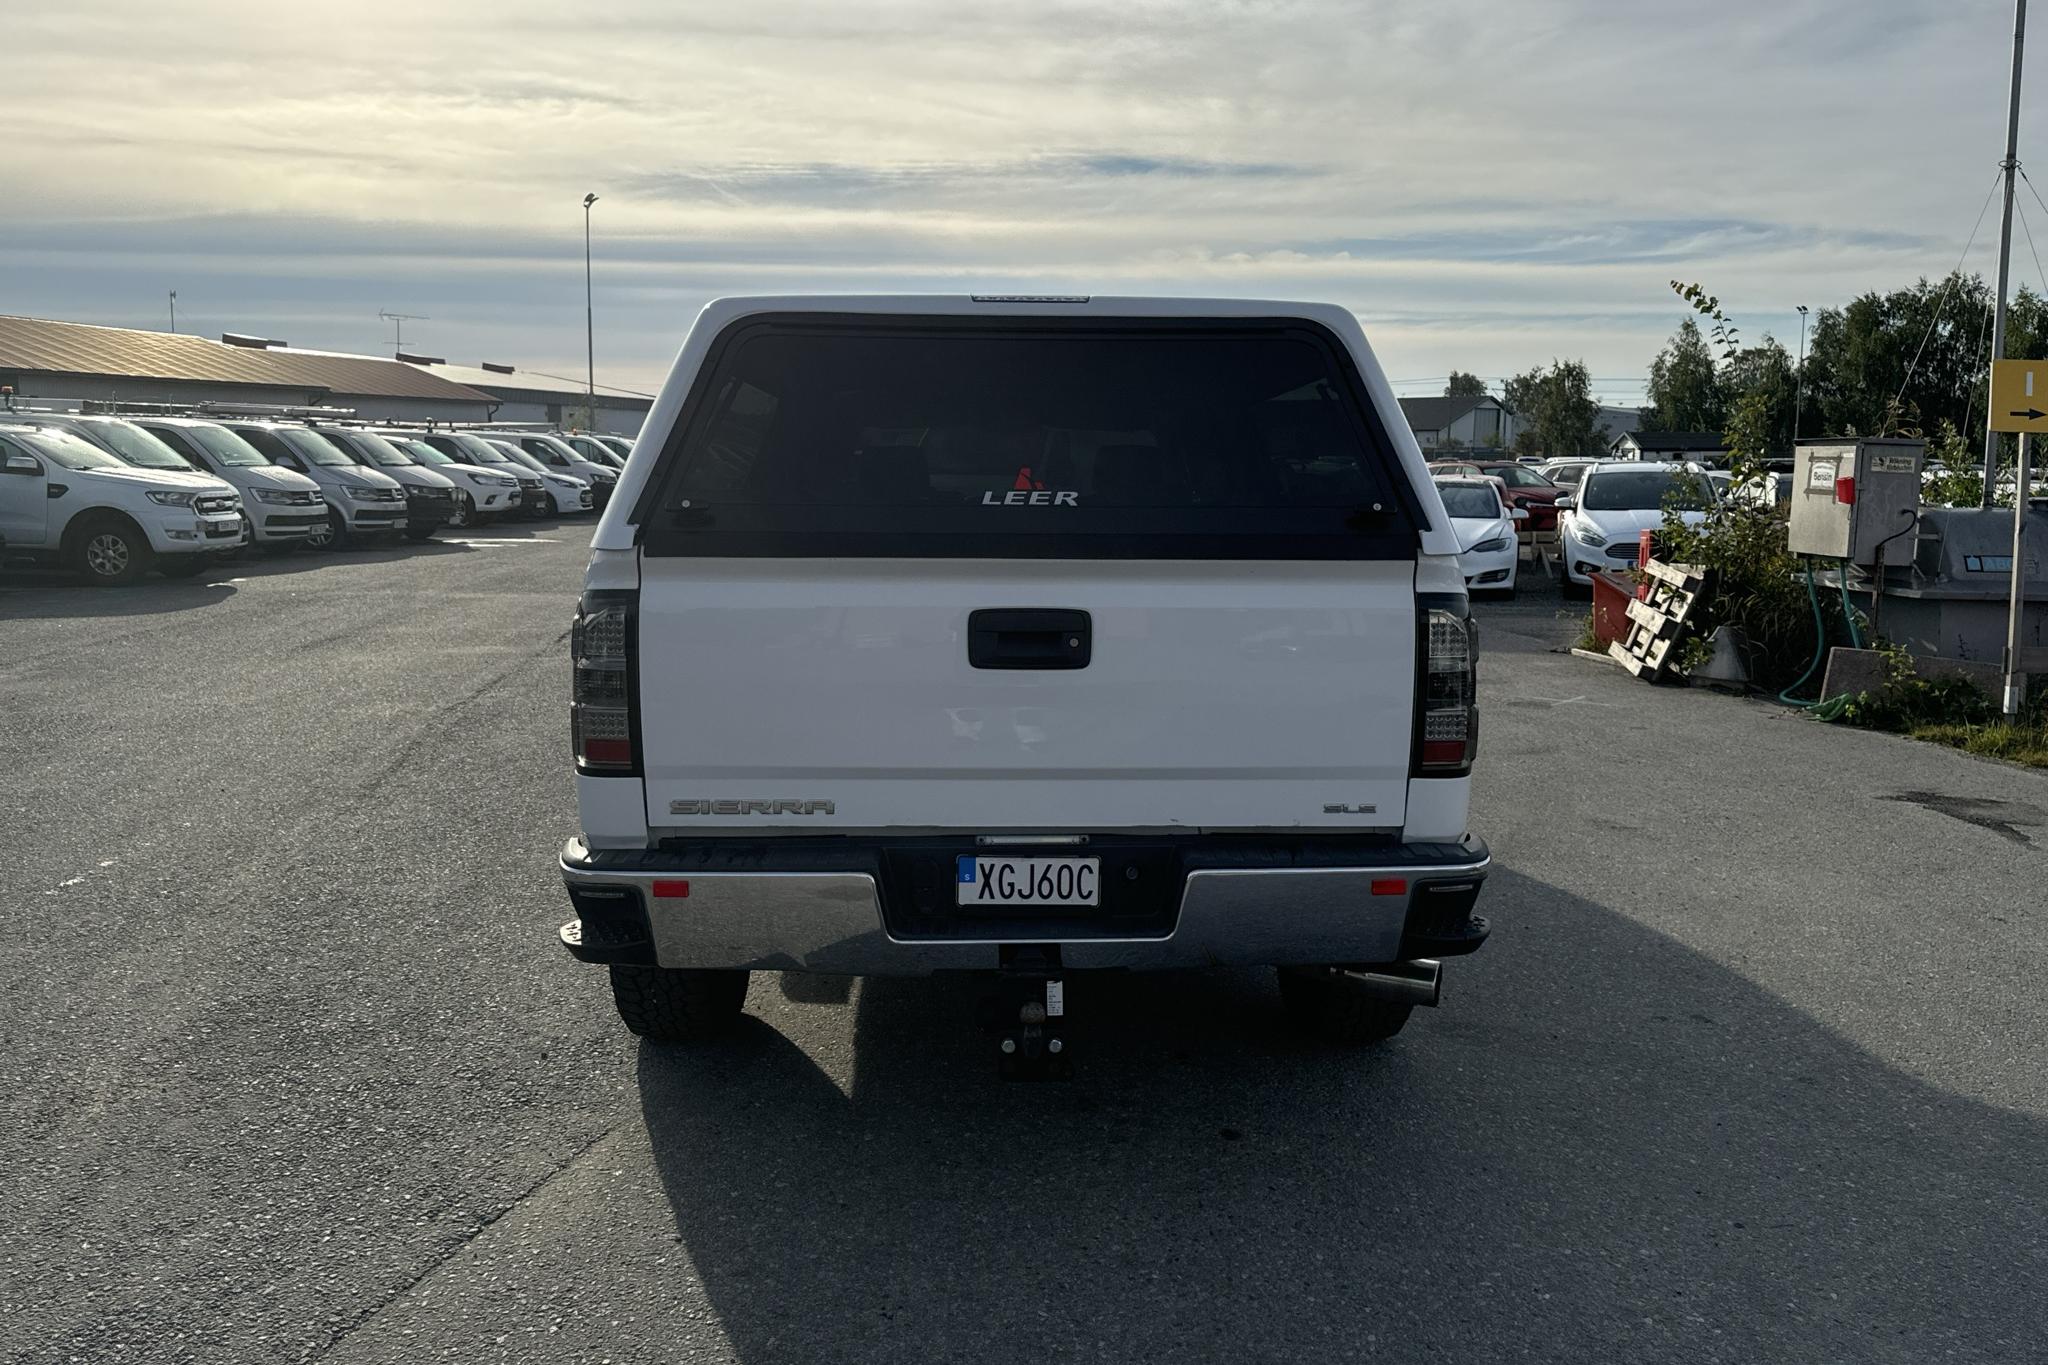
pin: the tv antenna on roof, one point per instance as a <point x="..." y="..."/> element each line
<point x="398" y="321"/>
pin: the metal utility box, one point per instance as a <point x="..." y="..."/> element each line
<point x="1850" y="495"/>
<point x="1949" y="600"/>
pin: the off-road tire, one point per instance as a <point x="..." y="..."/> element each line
<point x="416" y="534"/>
<point x="1336" y="1010"/>
<point x="677" y="1004"/>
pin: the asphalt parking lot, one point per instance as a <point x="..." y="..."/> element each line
<point x="1754" y="1068"/>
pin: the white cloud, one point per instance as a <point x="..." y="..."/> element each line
<point x="1488" y="184"/>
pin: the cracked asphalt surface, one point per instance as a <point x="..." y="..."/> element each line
<point x="1754" y="1068"/>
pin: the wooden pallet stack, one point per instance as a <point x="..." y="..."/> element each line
<point x="1658" y="622"/>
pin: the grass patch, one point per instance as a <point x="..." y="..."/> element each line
<point x="2026" y="744"/>
<point x="1587" y="640"/>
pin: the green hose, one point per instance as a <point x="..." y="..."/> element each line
<point x="1820" y="646"/>
<point x="1848" y="612"/>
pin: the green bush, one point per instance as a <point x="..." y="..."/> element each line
<point x="1909" y="703"/>
<point x="1758" y="586"/>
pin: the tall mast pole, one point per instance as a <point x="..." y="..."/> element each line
<point x="2011" y="164"/>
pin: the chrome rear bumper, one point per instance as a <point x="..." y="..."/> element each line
<point x="827" y="921"/>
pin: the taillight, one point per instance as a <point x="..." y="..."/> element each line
<point x="1448" y="707"/>
<point x="601" y="656"/>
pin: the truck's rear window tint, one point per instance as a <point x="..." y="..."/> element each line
<point x="1152" y="440"/>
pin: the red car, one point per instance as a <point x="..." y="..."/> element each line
<point x="1522" y="487"/>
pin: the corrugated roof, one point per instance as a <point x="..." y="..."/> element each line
<point x="1434" y="414"/>
<point x="1677" y="440"/>
<point x="83" y="349"/>
<point x="530" y="382"/>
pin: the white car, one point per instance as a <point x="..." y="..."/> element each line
<point x="480" y="494"/>
<point x="62" y="497"/>
<point x="1488" y="551"/>
<point x="132" y="443"/>
<point x="1565" y="473"/>
<point x="1026" y="637"/>
<point x="466" y="448"/>
<point x="1600" y="525"/>
<point x="284" y="510"/>
<point x="566" y="493"/>
<point x="555" y="454"/>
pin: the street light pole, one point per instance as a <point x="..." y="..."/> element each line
<point x="1799" y="379"/>
<point x="589" y="323"/>
<point x="174" y="310"/>
<point x="2011" y="163"/>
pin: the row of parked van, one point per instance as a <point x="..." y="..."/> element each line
<point x="116" y="493"/>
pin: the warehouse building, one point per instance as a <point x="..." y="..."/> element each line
<point x="46" y="362"/>
<point x="530" y="396"/>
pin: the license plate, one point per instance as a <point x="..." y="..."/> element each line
<point x="985" y="880"/>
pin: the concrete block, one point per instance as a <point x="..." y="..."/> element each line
<point x="1853" y="671"/>
<point x="1988" y="676"/>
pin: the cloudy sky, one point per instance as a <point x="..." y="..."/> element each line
<point x="1487" y="185"/>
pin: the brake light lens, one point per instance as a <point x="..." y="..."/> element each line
<point x="1449" y="698"/>
<point x="601" y="710"/>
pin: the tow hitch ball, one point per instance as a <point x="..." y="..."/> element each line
<point x="1028" y="1015"/>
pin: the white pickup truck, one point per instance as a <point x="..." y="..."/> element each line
<point x="1028" y="637"/>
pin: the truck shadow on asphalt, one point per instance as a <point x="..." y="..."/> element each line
<point x="1604" y="1146"/>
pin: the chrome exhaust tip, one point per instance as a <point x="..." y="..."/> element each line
<point x="1419" y="982"/>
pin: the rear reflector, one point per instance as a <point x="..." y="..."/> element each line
<point x="1390" y="886"/>
<point x="1447" y="753"/>
<point x="608" y="752"/>
<point x="673" y="889"/>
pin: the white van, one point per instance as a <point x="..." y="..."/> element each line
<point x="360" y="502"/>
<point x="63" y="497"/>
<point x="1024" y="637"/>
<point x="283" y="509"/>
<point x="592" y="449"/>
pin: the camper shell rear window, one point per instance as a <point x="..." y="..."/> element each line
<point x="1035" y="438"/>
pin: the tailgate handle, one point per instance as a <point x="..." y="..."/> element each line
<point x="1029" y="637"/>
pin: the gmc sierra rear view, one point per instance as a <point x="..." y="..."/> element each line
<point x="1024" y="637"/>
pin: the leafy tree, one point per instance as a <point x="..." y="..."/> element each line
<point x="1562" y="410"/>
<point x="1727" y="337"/>
<point x="1464" y="385"/>
<point x="1685" y="386"/>
<point x="1907" y="360"/>
<point x="1956" y="474"/>
<point x="1518" y="395"/>
<point x="1764" y="372"/>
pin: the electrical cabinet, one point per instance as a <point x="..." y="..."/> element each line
<point x="1850" y="496"/>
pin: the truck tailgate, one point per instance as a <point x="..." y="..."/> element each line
<point x="831" y="695"/>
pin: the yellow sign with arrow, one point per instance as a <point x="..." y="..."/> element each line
<point x="2019" y="395"/>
